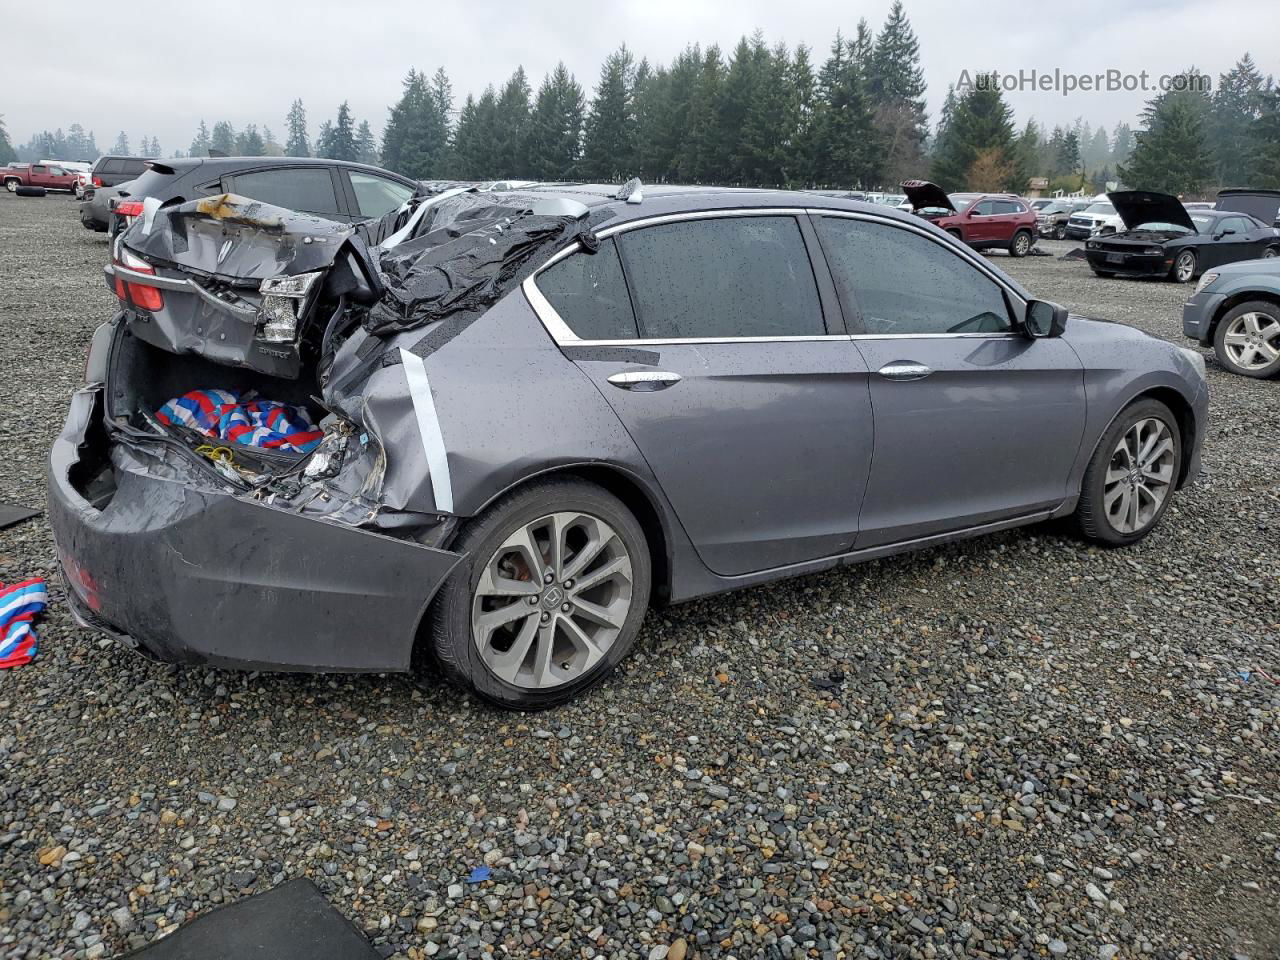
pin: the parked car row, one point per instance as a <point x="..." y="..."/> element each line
<point x="44" y="175"/>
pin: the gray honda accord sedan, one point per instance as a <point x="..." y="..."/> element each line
<point x="486" y="432"/>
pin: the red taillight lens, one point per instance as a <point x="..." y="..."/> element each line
<point x="129" y="208"/>
<point x="97" y="181"/>
<point x="142" y="296"/>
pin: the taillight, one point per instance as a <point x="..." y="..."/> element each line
<point x="142" y="296"/>
<point x="129" y="208"/>
<point x="97" y="181"/>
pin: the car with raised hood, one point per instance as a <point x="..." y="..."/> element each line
<point x="1098" y="217"/>
<point x="1163" y="239"/>
<point x="334" y="189"/>
<point x="1262" y="205"/>
<point x="1236" y="310"/>
<point x="487" y="431"/>
<point x="981" y="220"/>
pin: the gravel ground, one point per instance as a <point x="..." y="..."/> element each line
<point x="1014" y="747"/>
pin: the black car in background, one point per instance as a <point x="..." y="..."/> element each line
<point x="1262" y="205"/>
<point x="333" y="189"/>
<point x="1163" y="239"/>
<point x="113" y="171"/>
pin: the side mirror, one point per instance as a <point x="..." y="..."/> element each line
<point x="1224" y="233"/>
<point x="1044" y="319"/>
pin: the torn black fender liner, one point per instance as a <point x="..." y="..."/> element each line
<point x="290" y="922"/>
<point x="198" y="575"/>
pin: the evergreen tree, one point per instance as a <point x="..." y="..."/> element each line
<point x="608" y="152"/>
<point x="1237" y="104"/>
<point x="1264" y="143"/>
<point x="223" y="139"/>
<point x="121" y="146"/>
<point x="1172" y="154"/>
<point x="769" y="131"/>
<point x="475" y="142"/>
<point x="296" y="143"/>
<point x="895" y="84"/>
<point x="7" y="154"/>
<point x="736" y="98"/>
<point x="847" y="151"/>
<point x="341" y="143"/>
<point x="981" y="121"/>
<point x="700" y="158"/>
<point x="200" y="143"/>
<point x="1121" y="144"/>
<point x="270" y="147"/>
<point x="1068" y="159"/>
<point x="649" y="98"/>
<point x="1024" y="163"/>
<point x="555" y="128"/>
<point x="511" y="127"/>
<point x="323" y="139"/>
<point x="804" y="105"/>
<point x="249" y="142"/>
<point x="366" y="146"/>
<point x="415" y="140"/>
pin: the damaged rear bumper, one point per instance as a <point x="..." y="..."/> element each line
<point x="197" y="575"/>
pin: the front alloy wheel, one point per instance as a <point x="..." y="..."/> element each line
<point x="1184" y="266"/>
<point x="1021" y="244"/>
<point x="553" y="597"/>
<point x="1131" y="477"/>
<point x="1247" y="340"/>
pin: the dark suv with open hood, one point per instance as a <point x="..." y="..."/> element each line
<point x="981" y="220"/>
<point x="1163" y="239"/>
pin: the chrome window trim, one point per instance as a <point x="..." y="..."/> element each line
<point x="561" y="333"/>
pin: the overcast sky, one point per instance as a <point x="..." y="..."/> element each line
<point x="157" y="68"/>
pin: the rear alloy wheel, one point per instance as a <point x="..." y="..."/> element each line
<point x="1184" y="267"/>
<point x="553" y="600"/>
<point x="1270" y="252"/>
<point x="1247" y="339"/>
<point x="1131" y="477"/>
<point x="1060" y="232"/>
<point x="1020" y="246"/>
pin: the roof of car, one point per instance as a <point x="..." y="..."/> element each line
<point x="659" y="199"/>
<point x="186" y="163"/>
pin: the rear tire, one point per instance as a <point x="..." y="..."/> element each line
<point x="1060" y="232"/>
<point x="1247" y="339"/>
<point x="569" y="644"/>
<point x="1021" y="244"/>
<point x="1131" y="476"/>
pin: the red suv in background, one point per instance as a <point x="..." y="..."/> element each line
<point x="978" y="219"/>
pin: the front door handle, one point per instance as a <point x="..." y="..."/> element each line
<point x="644" y="381"/>
<point x="904" y="370"/>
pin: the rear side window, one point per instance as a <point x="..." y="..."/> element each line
<point x="305" y="189"/>
<point x="590" y="294"/>
<point x="112" y="166"/>
<point x="726" y="277"/>
<point x="377" y="195"/>
<point x="1009" y="206"/>
<point x="132" y="167"/>
<point x="902" y="282"/>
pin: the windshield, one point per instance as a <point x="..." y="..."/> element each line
<point x="1202" y="223"/>
<point x="1042" y="204"/>
<point x="1103" y="208"/>
<point x="1163" y="226"/>
<point x="961" y="200"/>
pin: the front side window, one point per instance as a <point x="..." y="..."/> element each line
<point x="984" y="209"/>
<point x="904" y="283"/>
<point x="590" y="294"/>
<point x="730" y="277"/>
<point x="377" y="195"/>
<point x="305" y="189"/>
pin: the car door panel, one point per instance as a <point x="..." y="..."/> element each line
<point x="973" y="421"/>
<point x="991" y="432"/>
<point x="762" y="448"/>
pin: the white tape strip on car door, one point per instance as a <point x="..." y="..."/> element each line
<point x="415" y="372"/>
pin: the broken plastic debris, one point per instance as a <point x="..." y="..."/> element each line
<point x="19" y="605"/>
<point x="479" y="875"/>
<point x="630" y="191"/>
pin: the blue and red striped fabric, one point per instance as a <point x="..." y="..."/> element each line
<point x="19" y="605"/>
<point x="244" y="419"/>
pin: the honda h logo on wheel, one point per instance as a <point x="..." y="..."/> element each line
<point x="551" y="599"/>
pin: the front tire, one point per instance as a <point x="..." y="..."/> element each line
<point x="1247" y="339"/>
<point x="1130" y="479"/>
<point x="1021" y="244"/>
<point x="11" y="185"/>
<point x="1060" y="232"/>
<point x="553" y="598"/>
<point x="1184" y="267"/>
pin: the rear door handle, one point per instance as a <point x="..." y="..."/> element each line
<point x="904" y="370"/>
<point x="644" y="381"/>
